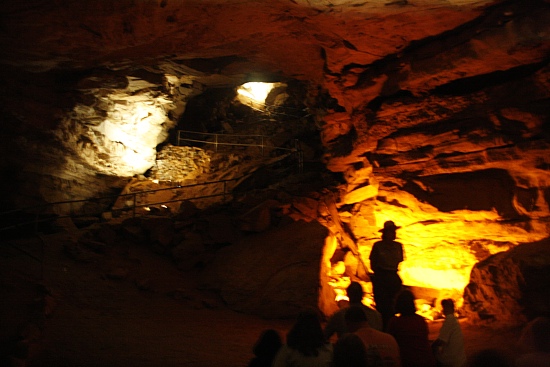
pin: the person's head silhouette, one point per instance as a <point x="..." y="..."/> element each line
<point x="355" y="292"/>
<point x="389" y="230"/>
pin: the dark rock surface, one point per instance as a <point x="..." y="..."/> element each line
<point x="272" y="274"/>
<point x="510" y="287"/>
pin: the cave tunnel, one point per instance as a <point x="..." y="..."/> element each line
<point x="225" y="157"/>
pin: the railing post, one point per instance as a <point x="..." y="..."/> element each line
<point x="301" y="161"/>
<point x="300" y="156"/>
<point x="36" y="217"/>
<point x="262" y="145"/>
<point x="216" y="141"/>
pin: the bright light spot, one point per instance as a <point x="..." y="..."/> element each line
<point x="254" y="94"/>
<point x="424" y="307"/>
<point x="255" y="91"/>
<point x="132" y="132"/>
<point x="341" y="297"/>
<point x="437" y="278"/>
<point x="339" y="268"/>
<point x="124" y="143"/>
<point x="135" y="159"/>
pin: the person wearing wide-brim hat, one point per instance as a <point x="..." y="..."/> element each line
<point x="385" y="257"/>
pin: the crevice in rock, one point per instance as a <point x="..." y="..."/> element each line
<point x="494" y="16"/>
<point x="476" y="83"/>
<point x="211" y="65"/>
<point x="400" y="95"/>
<point x="487" y="188"/>
<point x="343" y="144"/>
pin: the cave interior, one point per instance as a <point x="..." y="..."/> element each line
<point x="277" y="139"/>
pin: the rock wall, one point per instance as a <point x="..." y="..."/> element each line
<point x="272" y="274"/>
<point x="266" y="273"/>
<point x="433" y="116"/>
<point x="511" y="287"/>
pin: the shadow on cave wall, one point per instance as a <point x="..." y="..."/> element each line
<point x="481" y="190"/>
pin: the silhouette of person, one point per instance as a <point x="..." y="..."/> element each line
<point x="349" y="351"/>
<point x="449" y="345"/>
<point x="382" y="349"/>
<point x="411" y="332"/>
<point x="337" y="322"/>
<point x="385" y="257"/>
<point x="266" y="348"/>
<point x="305" y="344"/>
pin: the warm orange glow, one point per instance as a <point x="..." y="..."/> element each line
<point x="440" y="247"/>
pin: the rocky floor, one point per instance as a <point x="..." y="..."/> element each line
<point x="131" y="307"/>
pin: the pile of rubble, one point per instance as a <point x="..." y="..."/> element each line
<point x="177" y="164"/>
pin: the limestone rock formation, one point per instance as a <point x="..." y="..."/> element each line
<point x="432" y="114"/>
<point x="510" y="287"/>
<point x="273" y="274"/>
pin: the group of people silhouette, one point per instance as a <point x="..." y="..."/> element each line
<point x="393" y="334"/>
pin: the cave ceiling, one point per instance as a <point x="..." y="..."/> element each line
<point x="394" y="68"/>
<point x="436" y="109"/>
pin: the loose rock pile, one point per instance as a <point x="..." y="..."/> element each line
<point x="180" y="163"/>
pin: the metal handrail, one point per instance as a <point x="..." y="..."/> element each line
<point x="42" y="208"/>
<point x="37" y="210"/>
<point x="216" y="141"/>
<point x="223" y="193"/>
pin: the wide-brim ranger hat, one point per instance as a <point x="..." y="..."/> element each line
<point x="389" y="226"/>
